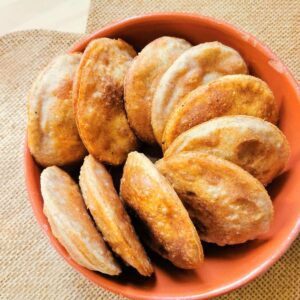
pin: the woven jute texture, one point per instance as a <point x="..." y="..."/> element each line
<point x="29" y="267"/>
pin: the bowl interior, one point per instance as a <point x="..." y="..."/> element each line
<point x="225" y="268"/>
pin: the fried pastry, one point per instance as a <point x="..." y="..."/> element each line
<point x="169" y="230"/>
<point x="229" y="95"/>
<point x="53" y="138"/>
<point x="71" y="224"/>
<point x="98" y="100"/>
<point x="142" y="79"/>
<point x="226" y="203"/>
<point x="196" y="66"/>
<point x="110" y="215"/>
<point x="256" y="145"/>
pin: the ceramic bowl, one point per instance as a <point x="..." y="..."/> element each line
<point x="225" y="268"/>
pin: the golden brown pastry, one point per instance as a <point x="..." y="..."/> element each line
<point x="110" y="215"/>
<point x="142" y="79"/>
<point x="168" y="228"/>
<point x="229" y="95"/>
<point x="196" y="66"/>
<point x="98" y="100"/>
<point x="226" y="203"/>
<point x="71" y="224"/>
<point x="256" y="145"/>
<point x="53" y="138"/>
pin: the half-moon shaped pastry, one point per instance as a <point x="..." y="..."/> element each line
<point x="98" y="100"/>
<point x="226" y="203"/>
<point x="53" y="138"/>
<point x="142" y="79"/>
<point x="110" y="215"/>
<point x="229" y="95"/>
<point x="196" y="66"/>
<point x="169" y="230"/>
<point x="256" y="145"/>
<point x="71" y="224"/>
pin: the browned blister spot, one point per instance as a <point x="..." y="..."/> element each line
<point x="249" y="150"/>
<point x="64" y="90"/>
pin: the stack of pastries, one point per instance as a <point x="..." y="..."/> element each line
<point x="215" y="124"/>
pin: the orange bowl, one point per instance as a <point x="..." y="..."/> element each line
<point x="225" y="268"/>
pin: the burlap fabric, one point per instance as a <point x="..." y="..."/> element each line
<point x="29" y="267"/>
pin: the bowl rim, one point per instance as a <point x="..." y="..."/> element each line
<point x="158" y="16"/>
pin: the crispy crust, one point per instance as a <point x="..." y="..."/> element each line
<point x="168" y="225"/>
<point x="142" y="79"/>
<point x="71" y="224"/>
<point x="257" y="146"/>
<point x="229" y="95"/>
<point x="53" y="138"/>
<point x="226" y="203"/>
<point x="110" y="215"/>
<point x="196" y="66"/>
<point x="98" y="100"/>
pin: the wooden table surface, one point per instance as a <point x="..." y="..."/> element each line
<point x="61" y="15"/>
